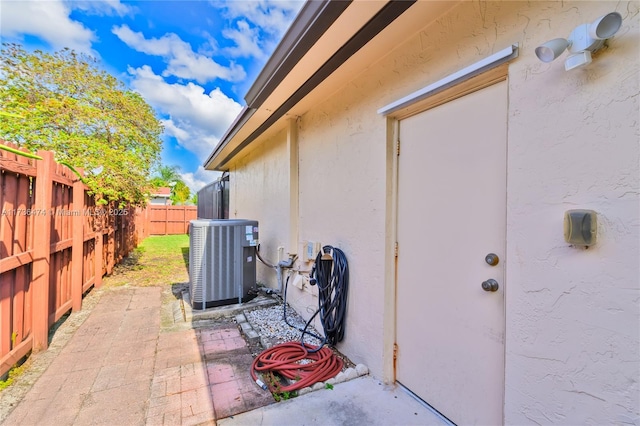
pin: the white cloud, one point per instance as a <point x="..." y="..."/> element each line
<point x="260" y="24"/>
<point x="272" y="16"/>
<point x="190" y="137"/>
<point x="247" y="41"/>
<point x="101" y="7"/>
<point x="48" y="20"/>
<point x="198" y="179"/>
<point x="196" y="119"/>
<point x="182" y="61"/>
<point x="154" y="46"/>
<point x="172" y="130"/>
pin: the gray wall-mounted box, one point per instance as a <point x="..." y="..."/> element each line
<point x="580" y="227"/>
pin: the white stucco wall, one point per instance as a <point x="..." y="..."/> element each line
<point x="573" y="315"/>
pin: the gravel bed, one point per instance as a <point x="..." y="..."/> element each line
<point x="269" y="323"/>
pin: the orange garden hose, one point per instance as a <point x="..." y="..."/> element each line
<point x="284" y="360"/>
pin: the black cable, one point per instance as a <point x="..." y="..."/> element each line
<point x="303" y="330"/>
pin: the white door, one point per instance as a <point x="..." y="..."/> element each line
<point x="451" y="215"/>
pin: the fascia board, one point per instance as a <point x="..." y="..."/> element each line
<point x="313" y="20"/>
<point x="243" y="117"/>
<point x="343" y="29"/>
<point x="256" y="124"/>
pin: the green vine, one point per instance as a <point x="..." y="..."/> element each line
<point x="9" y="114"/>
<point x="22" y="153"/>
<point x="70" y="167"/>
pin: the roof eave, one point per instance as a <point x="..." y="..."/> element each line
<point x="310" y="24"/>
<point x="241" y="119"/>
<point x="308" y="27"/>
<point x="313" y="20"/>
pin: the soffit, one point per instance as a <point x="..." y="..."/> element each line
<point x="343" y="29"/>
<point x="418" y="16"/>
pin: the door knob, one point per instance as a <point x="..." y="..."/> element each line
<point x="490" y="285"/>
<point x="492" y="259"/>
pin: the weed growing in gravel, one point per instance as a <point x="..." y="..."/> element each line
<point x="275" y="386"/>
<point x="13" y="373"/>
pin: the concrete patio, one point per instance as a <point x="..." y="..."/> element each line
<point x="132" y="361"/>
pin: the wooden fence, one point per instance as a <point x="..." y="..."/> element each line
<point x="168" y="220"/>
<point x="55" y="243"/>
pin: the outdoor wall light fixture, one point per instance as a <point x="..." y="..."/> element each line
<point x="583" y="40"/>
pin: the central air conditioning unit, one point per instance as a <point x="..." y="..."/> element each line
<point x="222" y="261"/>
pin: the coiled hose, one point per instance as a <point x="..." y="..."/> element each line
<point x="331" y="274"/>
<point x="332" y="278"/>
<point x="285" y="359"/>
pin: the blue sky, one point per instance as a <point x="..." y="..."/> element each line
<point x="193" y="61"/>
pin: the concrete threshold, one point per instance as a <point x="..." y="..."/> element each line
<point x="226" y="311"/>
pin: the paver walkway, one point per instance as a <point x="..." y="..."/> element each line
<point x="121" y="367"/>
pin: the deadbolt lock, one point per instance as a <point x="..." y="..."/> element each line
<point x="492" y="259"/>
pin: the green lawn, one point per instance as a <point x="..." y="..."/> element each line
<point x="158" y="260"/>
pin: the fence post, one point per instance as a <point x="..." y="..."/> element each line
<point x="42" y="250"/>
<point x="147" y="221"/>
<point x="111" y="248"/>
<point x="77" y="253"/>
<point x="98" y="257"/>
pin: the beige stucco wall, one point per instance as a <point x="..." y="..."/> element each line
<point x="573" y="323"/>
<point x="259" y="190"/>
<point x="572" y="333"/>
<point x="342" y="200"/>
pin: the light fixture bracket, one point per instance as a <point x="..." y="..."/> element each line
<point x="579" y="40"/>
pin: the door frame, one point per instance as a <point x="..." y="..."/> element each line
<point x="488" y="78"/>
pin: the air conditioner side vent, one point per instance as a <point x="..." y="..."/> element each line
<point x="222" y="266"/>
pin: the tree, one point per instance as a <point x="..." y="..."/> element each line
<point x="63" y="102"/>
<point x="170" y="176"/>
<point x="180" y="193"/>
<point x="165" y="176"/>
